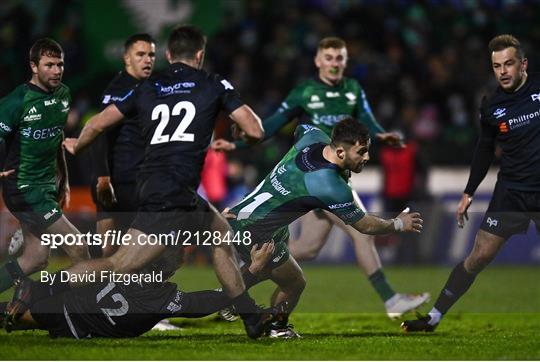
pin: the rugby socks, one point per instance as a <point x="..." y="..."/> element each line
<point x="246" y="307"/>
<point x="9" y="272"/>
<point x="381" y="285"/>
<point x="457" y="284"/>
<point x="249" y="279"/>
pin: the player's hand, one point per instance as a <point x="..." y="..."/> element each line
<point x="260" y="255"/>
<point x="105" y="191"/>
<point x="394" y="139"/>
<point x="227" y="214"/>
<point x="6" y="173"/>
<point x="410" y="222"/>
<point x="64" y="198"/>
<point x="222" y="145"/>
<point x="70" y="144"/>
<point x="237" y="132"/>
<point x="461" y="213"/>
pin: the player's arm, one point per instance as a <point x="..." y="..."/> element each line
<point x="482" y="159"/>
<point x="249" y="123"/>
<point x="110" y="116"/>
<point x="365" y="115"/>
<point x="100" y="153"/>
<point x="404" y="222"/>
<point x="62" y="177"/>
<point x="10" y="114"/>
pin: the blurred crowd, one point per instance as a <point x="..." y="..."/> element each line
<point x="424" y="65"/>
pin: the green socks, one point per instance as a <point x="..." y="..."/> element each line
<point x="9" y="272"/>
<point x="381" y="285"/>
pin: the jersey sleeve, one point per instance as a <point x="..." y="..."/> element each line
<point x="10" y="114"/>
<point x="336" y="195"/>
<point x="484" y="152"/>
<point x="365" y="115"/>
<point x="127" y="105"/>
<point x="230" y="99"/>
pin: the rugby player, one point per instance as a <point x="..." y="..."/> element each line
<point x="509" y="116"/>
<point x="32" y="119"/>
<point x="323" y="101"/>
<point x="177" y="110"/>
<point x="312" y="175"/>
<point x="119" y="151"/>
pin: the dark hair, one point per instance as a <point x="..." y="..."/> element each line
<point x="349" y="131"/>
<point x="138" y="37"/>
<point x="45" y="46"/>
<point x="331" y="42"/>
<point x="501" y="42"/>
<point x="185" y="41"/>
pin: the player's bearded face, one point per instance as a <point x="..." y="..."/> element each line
<point x="49" y="71"/>
<point x="509" y="69"/>
<point x="140" y="58"/>
<point x="357" y="156"/>
<point x="331" y="63"/>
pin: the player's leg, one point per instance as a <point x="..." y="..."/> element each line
<point x="76" y="252"/>
<point x="34" y="258"/>
<point x="291" y="283"/>
<point x="486" y="246"/>
<point x="314" y="230"/>
<point x="368" y="260"/>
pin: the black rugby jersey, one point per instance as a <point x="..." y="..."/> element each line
<point x="177" y="110"/>
<point x="119" y="151"/>
<point x="513" y="121"/>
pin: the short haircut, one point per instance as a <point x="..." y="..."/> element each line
<point x="138" y="37"/>
<point x="332" y="42"/>
<point x="185" y="41"/>
<point x="45" y="46"/>
<point x="501" y="42"/>
<point x="349" y="131"/>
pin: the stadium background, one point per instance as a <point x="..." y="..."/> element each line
<point x="424" y="66"/>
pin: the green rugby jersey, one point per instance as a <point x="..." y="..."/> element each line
<point x="302" y="181"/>
<point x="31" y="124"/>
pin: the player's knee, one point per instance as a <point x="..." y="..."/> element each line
<point x="477" y="261"/>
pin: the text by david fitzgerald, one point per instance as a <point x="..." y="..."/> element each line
<point x="100" y="277"/>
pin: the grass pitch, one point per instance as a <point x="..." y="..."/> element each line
<point x="339" y="317"/>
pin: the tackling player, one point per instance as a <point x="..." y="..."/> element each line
<point x="32" y="119"/>
<point x="509" y="116"/>
<point x="323" y="101"/>
<point x="312" y="175"/>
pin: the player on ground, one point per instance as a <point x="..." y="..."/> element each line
<point x="116" y="309"/>
<point x="509" y="116"/>
<point x="312" y="175"/>
<point x="32" y="119"/>
<point x="119" y="151"/>
<point x="177" y="109"/>
<point x="323" y="101"/>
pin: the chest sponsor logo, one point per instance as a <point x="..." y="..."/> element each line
<point x="49" y="102"/>
<point x="329" y="119"/>
<point x="332" y="94"/>
<point x="351" y="98"/>
<point x="522" y="120"/>
<point x="32" y="115"/>
<point x="41" y="134"/>
<point x="535" y="97"/>
<point x="499" y="112"/>
<point x="177" y="88"/>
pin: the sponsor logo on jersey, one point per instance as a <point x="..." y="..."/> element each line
<point x="5" y="127"/>
<point x="522" y="120"/>
<point x="65" y="103"/>
<point x="503" y="127"/>
<point x="332" y="94"/>
<point x="173" y="307"/>
<point x="50" y="214"/>
<point x="499" y="112"/>
<point x="307" y="128"/>
<point x="315" y="98"/>
<point x="315" y="105"/>
<point x="329" y="119"/>
<point x="535" y="97"/>
<point x="278" y="186"/>
<point x="32" y="116"/>
<point x="107" y="98"/>
<point x="492" y="222"/>
<point x="177" y="88"/>
<point x="41" y="134"/>
<point x="281" y="170"/>
<point x="226" y="84"/>
<point x="351" y="98"/>
<point x="49" y="102"/>
<point x="341" y="206"/>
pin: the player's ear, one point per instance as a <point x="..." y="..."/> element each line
<point x="34" y="67"/>
<point x="340" y="152"/>
<point x="199" y="57"/>
<point x="168" y="56"/>
<point x="317" y="61"/>
<point x="524" y="64"/>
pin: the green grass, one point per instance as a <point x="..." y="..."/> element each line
<point x="339" y="317"/>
